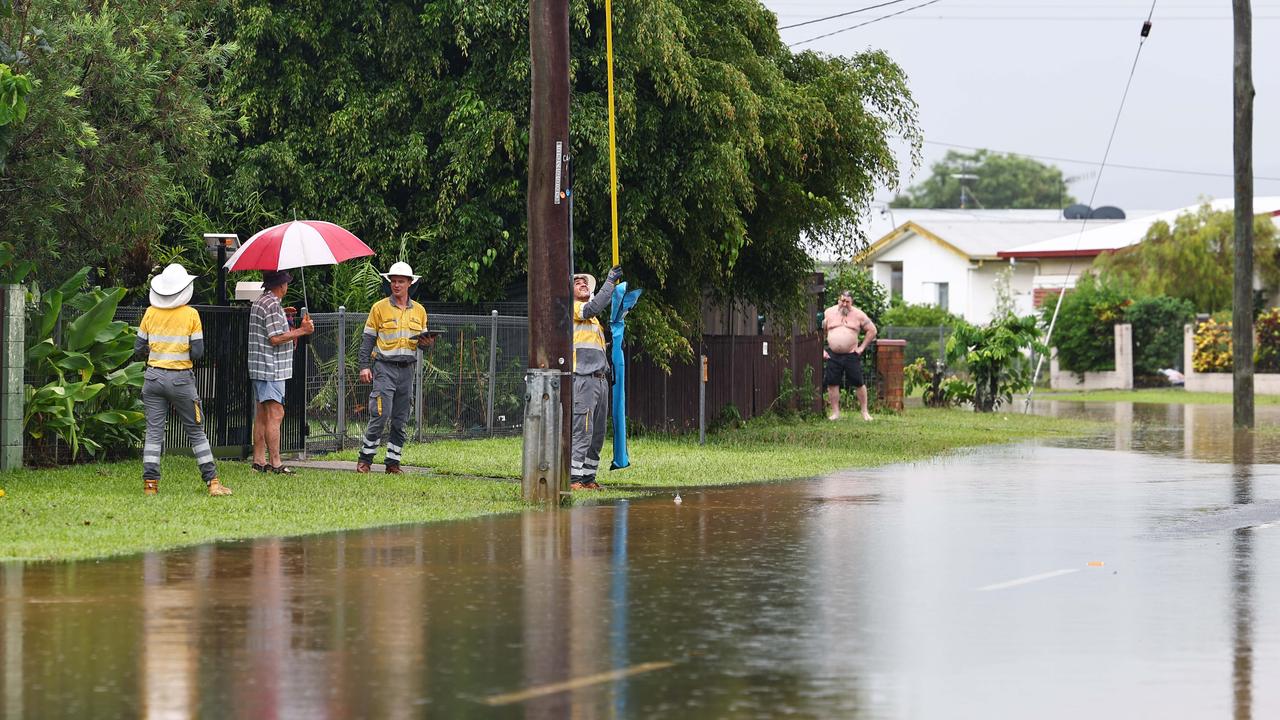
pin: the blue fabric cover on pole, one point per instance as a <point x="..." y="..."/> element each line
<point x="623" y="301"/>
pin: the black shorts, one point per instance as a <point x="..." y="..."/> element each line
<point x="844" y="369"/>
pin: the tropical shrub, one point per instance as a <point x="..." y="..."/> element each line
<point x="1213" y="347"/>
<point x="1267" y="329"/>
<point x="903" y="314"/>
<point x="1157" y="331"/>
<point x="994" y="356"/>
<point x="82" y="387"/>
<point x="1083" y="333"/>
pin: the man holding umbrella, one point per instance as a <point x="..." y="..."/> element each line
<point x="295" y="244"/>
<point x="270" y="365"/>
<point x="396" y="328"/>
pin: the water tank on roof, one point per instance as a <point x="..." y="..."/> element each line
<point x="1107" y="212"/>
<point x="1076" y="212"/>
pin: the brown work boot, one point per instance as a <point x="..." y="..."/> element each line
<point x="575" y="485"/>
<point x="592" y="485"/>
<point x="217" y="489"/>
<point x="394" y="470"/>
<point x="150" y="487"/>
<point x="363" y="467"/>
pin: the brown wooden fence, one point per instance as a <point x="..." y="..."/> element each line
<point x="745" y="370"/>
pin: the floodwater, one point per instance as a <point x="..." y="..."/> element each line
<point x="1131" y="575"/>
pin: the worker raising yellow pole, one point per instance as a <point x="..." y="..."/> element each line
<point x="613" y="152"/>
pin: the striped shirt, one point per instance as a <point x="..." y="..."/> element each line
<point x="172" y="337"/>
<point x="266" y="320"/>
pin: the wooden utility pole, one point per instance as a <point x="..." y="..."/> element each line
<point x="548" y="410"/>
<point x="1242" y="307"/>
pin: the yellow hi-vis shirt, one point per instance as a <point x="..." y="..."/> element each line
<point x="588" y="342"/>
<point x="168" y="333"/>
<point x="395" y="330"/>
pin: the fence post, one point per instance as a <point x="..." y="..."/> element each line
<point x="493" y="366"/>
<point x="12" y="356"/>
<point x="417" y="393"/>
<point x="342" y="377"/>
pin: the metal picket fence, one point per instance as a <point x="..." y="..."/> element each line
<point x="469" y="384"/>
<point x="929" y="343"/>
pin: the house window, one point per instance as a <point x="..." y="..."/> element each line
<point x="895" y="280"/>
<point x="944" y="295"/>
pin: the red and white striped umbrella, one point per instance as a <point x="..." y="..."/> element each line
<point x="298" y="244"/>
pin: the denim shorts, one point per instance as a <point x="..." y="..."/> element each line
<point x="264" y="390"/>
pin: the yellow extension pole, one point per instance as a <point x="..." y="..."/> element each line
<point x="613" y="151"/>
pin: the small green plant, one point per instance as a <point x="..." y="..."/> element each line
<point x="796" y="399"/>
<point x="994" y="356"/>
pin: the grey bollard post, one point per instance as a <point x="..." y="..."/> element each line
<point x="493" y="365"/>
<point x="417" y="394"/>
<point x="342" y="377"/>
<point x="12" y="361"/>
<point x="543" y="475"/>
<point x="702" y="400"/>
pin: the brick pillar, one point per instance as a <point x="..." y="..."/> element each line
<point x="12" y="355"/>
<point x="889" y="357"/>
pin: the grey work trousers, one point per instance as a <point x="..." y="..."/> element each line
<point x="161" y="390"/>
<point x="390" y="399"/>
<point x="590" y="416"/>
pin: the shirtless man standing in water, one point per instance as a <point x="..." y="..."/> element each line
<point x="843" y="354"/>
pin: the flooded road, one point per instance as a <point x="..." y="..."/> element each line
<point x="1134" y="574"/>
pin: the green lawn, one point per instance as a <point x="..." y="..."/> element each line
<point x="1166" y="396"/>
<point x="99" y="510"/>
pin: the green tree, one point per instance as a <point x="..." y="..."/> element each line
<point x="1192" y="259"/>
<point x="1003" y="181"/>
<point x="407" y="121"/>
<point x="121" y="124"/>
<point x="1083" y="333"/>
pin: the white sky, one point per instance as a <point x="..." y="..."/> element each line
<point x="1045" y="78"/>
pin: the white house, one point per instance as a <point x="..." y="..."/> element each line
<point x="1058" y="261"/>
<point x="952" y="258"/>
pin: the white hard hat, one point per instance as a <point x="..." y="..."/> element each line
<point x="403" y="270"/>
<point x="172" y="288"/>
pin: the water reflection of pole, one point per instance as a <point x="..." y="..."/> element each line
<point x="13" y="629"/>
<point x="618" y="601"/>
<point x="1242" y="578"/>
<point x="546" y="611"/>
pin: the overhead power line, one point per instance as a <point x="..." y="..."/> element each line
<point x="864" y="24"/>
<point x="840" y="15"/>
<point x="1102" y="167"/>
<point x="1144" y="168"/>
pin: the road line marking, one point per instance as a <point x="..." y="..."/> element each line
<point x="1025" y="580"/>
<point x="574" y="684"/>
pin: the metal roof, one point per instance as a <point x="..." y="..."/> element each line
<point x="1119" y="234"/>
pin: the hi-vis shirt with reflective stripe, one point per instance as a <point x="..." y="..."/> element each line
<point x="391" y="332"/>
<point x="169" y="335"/>
<point x="588" y="342"/>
